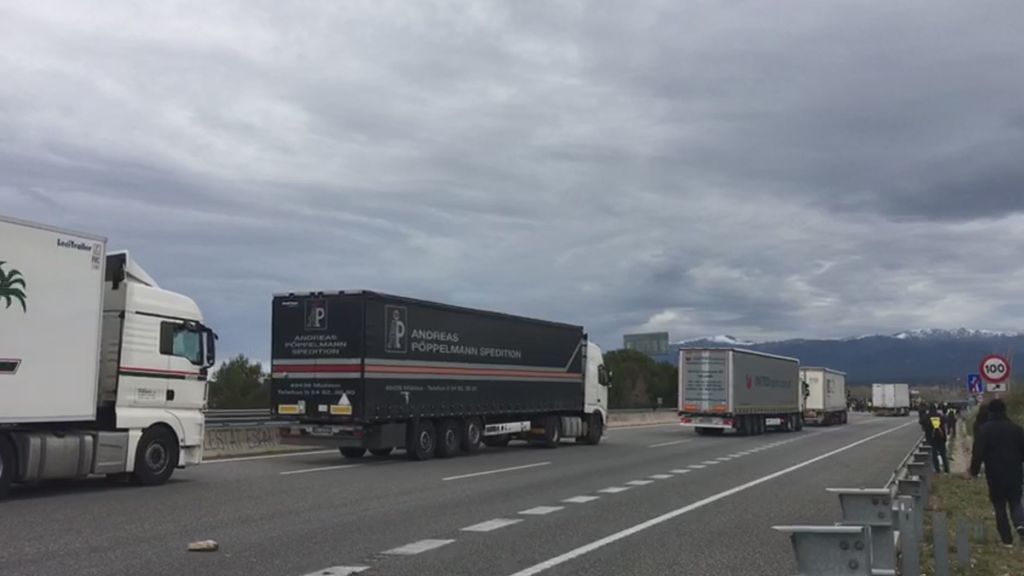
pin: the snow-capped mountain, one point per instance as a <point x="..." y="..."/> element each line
<point x="721" y="340"/>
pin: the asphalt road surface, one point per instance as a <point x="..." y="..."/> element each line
<point x="653" y="500"/>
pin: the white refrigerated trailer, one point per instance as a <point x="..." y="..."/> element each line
<point x="825" y="395"/>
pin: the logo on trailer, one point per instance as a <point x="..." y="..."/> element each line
<point x="396" y="319"/>
<point x="12" y="287"/>
<point x="316" y="314"/>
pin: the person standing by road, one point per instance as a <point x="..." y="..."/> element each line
<point x="950" y="422"/>
<point x="999" y="445"/>
<point x="937" y="440"/>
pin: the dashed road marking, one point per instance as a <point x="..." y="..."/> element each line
<point x="696" y="466"/>
<point x="270" y="457"/>
<point x="724" y="458"/>
<point x="673" y="443"/>
<point x="660" y="476"/>
<point x="614" y="489"/>
<point x="640" y="482"/>
<point x="492" y="525"/>
<point x="497" y="471"/>
<point x="418" y="547"/>
<point x="680" y="471"/>
<point x="339" y="571"/>
<point x="541" y="510"/>
<point x="581" y="499"/>
<point x="709" y="462"/>
<point x="322" y="469"/>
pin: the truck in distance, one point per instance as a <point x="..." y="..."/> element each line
<point x="824" y="395"/>
<point x="367" y="371"/>
<point x="890" y="399"/>
<point x="101" y="370"/>
<point x="733" y="389"/>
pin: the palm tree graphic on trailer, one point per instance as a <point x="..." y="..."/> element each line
<point x="12" y="287"/>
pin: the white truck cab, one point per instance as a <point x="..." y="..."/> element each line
<point x="103" y="371"/>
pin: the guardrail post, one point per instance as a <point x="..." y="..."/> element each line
<point x="909" y="552"/>
<point x="914" y="488"/>
<point x="871" y="507"/>
<point x="830" y="550"/>
<point x="940" y="536"/>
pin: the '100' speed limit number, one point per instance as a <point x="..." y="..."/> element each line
<point x="995" y="369"/>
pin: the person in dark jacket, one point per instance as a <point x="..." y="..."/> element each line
<point x="925" y="422"/>
<point x="950" y="423"/>
<point x="937" y="440"/>
<point x="999" y="445"/>
<point x="980" y="419"/>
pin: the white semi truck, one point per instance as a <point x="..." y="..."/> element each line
<point x="824" y="395"/>
<point x="890" y="399"/>
<point x="101" y="370"/>
<point x="731" y="389"/>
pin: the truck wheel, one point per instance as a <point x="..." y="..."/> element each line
<point x="381" y="452"/>
<point x="595" y="429"/>
<point x="156" y="456"/>
<point x="8" y="465"/>
<point x="472" y="434"/>
<point x="499" y="441"/>
<point x="449" y="437"/>
<point x="422" y="441"/>
<point x="798" y="422"/>
<point x="842" y="418"/>
<point x="701" y="431"/>
<point x="552" y="432"/>
<point x="352" y="453"/>
<point x="742" y="426"/>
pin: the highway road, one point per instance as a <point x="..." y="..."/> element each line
<point x="653" y="500"/>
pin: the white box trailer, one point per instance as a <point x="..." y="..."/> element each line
<point x="890" y="399"/>
<point x="101" y="370"/>
<point x="824" y="395"/>
<point x="733" y="389"/>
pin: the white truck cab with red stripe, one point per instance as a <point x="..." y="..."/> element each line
<point x="101" y="370"/>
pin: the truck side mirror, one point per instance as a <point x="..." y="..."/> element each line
<point x="604" y="376"/>
<point x="211" y="347"/>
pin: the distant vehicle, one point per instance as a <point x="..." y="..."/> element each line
<point x="890" y="399"/>
<point x="101" y="370"/>
<point x="372" y="372"/>
<point x="824" y="396"/>
<point x="732" y="389"/>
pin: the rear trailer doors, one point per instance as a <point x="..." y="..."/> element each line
<point x="317" y="351"/>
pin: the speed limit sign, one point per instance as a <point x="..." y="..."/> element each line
<point x="995" y="369"/>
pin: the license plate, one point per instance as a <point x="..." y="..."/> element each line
<point x="707" y="420"/>
<point x="323" y="431"/>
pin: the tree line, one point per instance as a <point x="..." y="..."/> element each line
<point x="637" y="382"/>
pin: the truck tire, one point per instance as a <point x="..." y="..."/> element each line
<point x="381" y="452"/>
<point x="449" y="438"/>
<point x="552" y="432"/>
<point x="156" y="456"/>
<point x="8" y="466"/>
<point x="743" y="426"/>
<point x="595" y="429"/>
<point x="701" y="431"/>
<point x="798" y="422"/>
<point x="352" y="453"/>
<point x="472" y="434"/>
<point x="499" y="441"/>
<point x="842" y="418"/>
<point x="422" y="440"/>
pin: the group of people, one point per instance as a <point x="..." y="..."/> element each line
<point x="998" y="449"/>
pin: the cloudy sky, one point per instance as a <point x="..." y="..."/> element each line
<point x="763" y="169"/>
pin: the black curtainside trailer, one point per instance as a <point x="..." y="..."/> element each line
<point x="374" y="371"/>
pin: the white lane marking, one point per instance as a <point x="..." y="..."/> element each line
<point x="339" y="570"/>
<point x="498" y="471"/>
<point x="672" y="443"/>
<point x="418" y="547"/>
<point x="640" y="482"/>
<point x="323" y="469"/>
<point x="709" y="462"/>
<point x="596" y="544"/>
<point x="581" y="499"/>
<point x="696" y="466"/>
<point x="724" y="458"/>
<point x="614" y="489"/>
<point x="541" y="510"/>
<point x="736" y="455"/>
<point x="269" y="457"/>
<point x="641" y="427"/>
<point x="492" y="525"/>
<point x="679" y="471"/>
<point x="660" y="476"/>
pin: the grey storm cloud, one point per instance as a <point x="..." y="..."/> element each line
<point x="765" y="169"/>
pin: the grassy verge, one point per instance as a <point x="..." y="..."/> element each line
<point x="958" y="495"/>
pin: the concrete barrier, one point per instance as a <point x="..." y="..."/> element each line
<point x="226" y="442"/>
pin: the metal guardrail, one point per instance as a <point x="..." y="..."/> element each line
<point x="256" y="417"/>
<point x="883" y="528"/>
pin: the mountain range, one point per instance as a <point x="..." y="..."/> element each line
<point x="920" y="357"/>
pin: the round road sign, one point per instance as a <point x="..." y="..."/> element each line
<point x="995" y="369"/>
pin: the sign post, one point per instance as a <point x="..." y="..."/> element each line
<point x="996" y="372"/>
<point x="974" y="385"/>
